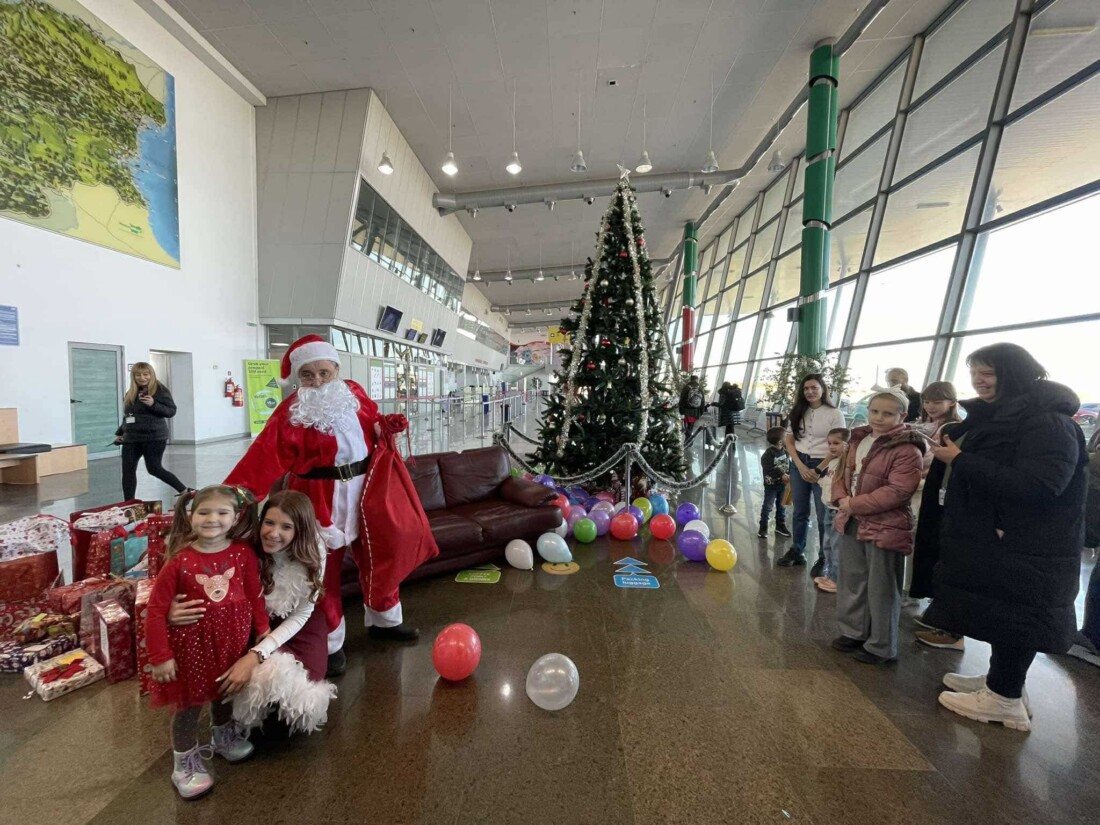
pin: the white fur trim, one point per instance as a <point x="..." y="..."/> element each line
<point x="336" y="637"/>
<point x="281" y="683"/>
<point x="290" y="586"/>
<point x="310" y="352"/>
<point x="383" y="618"/>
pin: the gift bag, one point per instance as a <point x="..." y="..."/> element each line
<point x="156" y="532"/>
<point x="120" y="589"/>
<point x="63" y="674"/>
<point x="28" y="556"/>
<point x="115" y="640"/>
<point x="141" y="610"/>
<point x="787" y="498"/>
<point x="85" y="525"/>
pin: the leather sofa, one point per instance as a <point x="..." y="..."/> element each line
<point x="475" y="507"/>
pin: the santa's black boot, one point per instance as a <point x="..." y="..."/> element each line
<point x="403" y="632"/>
<point x="337" y="664"/>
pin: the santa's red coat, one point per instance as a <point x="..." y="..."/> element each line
<point x="394" y="535"/>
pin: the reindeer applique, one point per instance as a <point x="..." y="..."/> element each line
<point x="216" y="585"/>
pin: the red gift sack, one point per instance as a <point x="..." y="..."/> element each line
<point x="81" y="539"/>
<point x="28" y="556"/>
<point x="156" y="528"/>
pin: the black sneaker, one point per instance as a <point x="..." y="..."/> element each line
<point x="846" y="644"/>
<point x="792" y="559"/>
<point x="401" y="633"/>
<point x="337" y="664"/>
<point x="868" y="658"/>
<point x="763" y="532"/>
<point x="781" y="530"/>
<point x="818" y="568"/>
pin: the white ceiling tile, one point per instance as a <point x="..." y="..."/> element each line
<point x="474" y="59"/>
<point x="510" y="16"/>
<point x="620" y="13"/>
<point x="218" y="14"/>
<point x="672" y="39"/>
<point x="622" y="47"/>
<point x="681" y="11"/>
<point x="522" y="56"/>
<point x="307" y="39"/>
<point x="326" y="7"/>
<point x="249" y="44"/>
<point x="358" y="34"/>
<point x="279" y="11"/>
<point x="574" y="16"/>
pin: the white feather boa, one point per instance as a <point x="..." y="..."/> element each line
<point x="282" y="682"/>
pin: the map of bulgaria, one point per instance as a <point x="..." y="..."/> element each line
<point x="87" y="131"/>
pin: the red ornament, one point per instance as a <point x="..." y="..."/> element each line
<point x="641" y="241"/>
<point x="624" y="254"/>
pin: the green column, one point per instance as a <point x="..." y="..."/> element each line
<point x="817" y="205"/>
<point x="691" y="273"/>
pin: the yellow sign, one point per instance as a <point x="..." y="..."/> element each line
<point x="264" y="393"/>
<point x="417" y="325"/>
<point x="556" y="335"/>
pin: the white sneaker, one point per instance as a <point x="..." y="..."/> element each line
<point x="190" y="775"/>
<point x="230" y="742"/>
<point x="961" y="683"/>
<point x="987" y="706"/>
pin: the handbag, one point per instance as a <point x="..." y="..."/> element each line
<point x="788" y="499"/>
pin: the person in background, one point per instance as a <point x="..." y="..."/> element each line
<point x="897" y="377"/>
<point x="147" y="406"/>
<point x="939" y="407"/>
<point x="730" y="403"/>
<point x="774" y="464"/>
<point x="692" y="403"/>
<point x="837" y="458"/>
<point x="882" y="472"/>
<point x="1013" y="529"/>
<point x="1086" y="644"/>
<point x="811" y="419"/>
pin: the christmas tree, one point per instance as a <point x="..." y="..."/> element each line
<point x="609" y="389"/>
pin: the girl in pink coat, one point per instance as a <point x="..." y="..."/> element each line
<point x="875" y="522"/>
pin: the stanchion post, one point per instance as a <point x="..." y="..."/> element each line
<point x="728" y="508"/>
<point x="627" y="489"/>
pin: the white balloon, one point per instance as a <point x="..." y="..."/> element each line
<point x="700" y="526"/>
<point x="553" y="681"/>
<point x="519" y="554"/>
<point x="553" y="548"/>
<point x="620" y="506"/>
<point x="603" y="505"/>
<point x="562" y="529"/>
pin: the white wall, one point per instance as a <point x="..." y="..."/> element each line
<point x="69" y="290"/>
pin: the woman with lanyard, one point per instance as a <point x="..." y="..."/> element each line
<point x="811" y="418"/>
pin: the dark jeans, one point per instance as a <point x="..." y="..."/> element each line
<point x="152" y="451"/>
<point x="1008" y="669"/>
<point x="802" y="492"/>
<point x="1091" y="627"/>
<point x="773" y="495"/>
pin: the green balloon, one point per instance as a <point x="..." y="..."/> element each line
<point x="645" y="506"/>
<point x="516" y="472"/>
<point x="585" y="531"/>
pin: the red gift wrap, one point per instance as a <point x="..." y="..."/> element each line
<point x="156" y="528"/>
<point x="120" y="589"/>
<point x="81" y="539"/>
<point x="115" y="634"/>
<point x="66" y="599"/>
<point x="141" y="609"/>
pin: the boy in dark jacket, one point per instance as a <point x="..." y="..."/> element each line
<point x="775" y="465"/>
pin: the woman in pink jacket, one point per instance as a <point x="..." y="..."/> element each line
<point x="875" y="522"/>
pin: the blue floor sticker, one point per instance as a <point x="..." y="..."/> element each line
<point x="642" y="582"/>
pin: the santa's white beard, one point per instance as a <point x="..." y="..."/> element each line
<point x="326" y="408"/>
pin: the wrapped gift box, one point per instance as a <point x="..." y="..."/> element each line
<point x="15" y="657"/>
<point x="85" y="525"/>
<point x="115" y="635"/>
<point x="141" y="609"/>
<point x="63" y="674"/>
<point x="66" y="599"/>
<point x="42" y="627"/>
<point x="28" y="556"/>
<point x="120" y="589"/>
<point x="156" y="530"/>
<point x="12" y="614"/>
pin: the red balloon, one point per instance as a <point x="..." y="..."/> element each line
<point x="456" y="652"/>
<point x="624" y="526"/>
<point x="662" y="526"/>
<point x="562" y="503"/>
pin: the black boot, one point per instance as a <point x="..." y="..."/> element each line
<point x="763" y="530"/>
<point x="818" y="568"/>
<point x="781" y="530"/>
<point x="403" y="632"/>
<point x="337" y="664"/>
<point x="792" y="558"/>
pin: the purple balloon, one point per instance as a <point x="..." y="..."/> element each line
<point x="637" y="513"/>
<point x="605" y="506"/>
<point x="605" y="496"/>
<point x="693" y="545"/>
<point x="561" y="491"/>
<point x="686" y="512"/>
<point x="591" y="502"/>
<point x="575" y="515"/>
<point x="542" y="478"/>
<point x="602" y="520"/>
<point x="578" y="491"/>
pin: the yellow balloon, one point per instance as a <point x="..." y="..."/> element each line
<point x="645" y="506"/>
<point x="721" y="555"/>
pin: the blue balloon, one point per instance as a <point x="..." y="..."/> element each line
<point x="636" y="512"/>
<point x="580" y="492"/>
<point x="591" y="502"/>
<point x="692" y="544"/>
<point x="686" y="512"/>
<point x="561" y="491"/>
<point x="542" y="478"/>
<point x="659" y="503"/>
<point x="553" y="548"/>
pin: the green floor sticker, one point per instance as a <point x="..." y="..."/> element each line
<point x="478" y="577"/>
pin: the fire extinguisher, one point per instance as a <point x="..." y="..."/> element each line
<point x="238" y="397"/>
<point x="230" y="386"/>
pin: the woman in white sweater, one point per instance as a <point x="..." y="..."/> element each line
<point x="284" y="672"/>
<point x="811" y="417"/>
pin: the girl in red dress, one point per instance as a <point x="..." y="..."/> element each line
<point x="209" y="557"/>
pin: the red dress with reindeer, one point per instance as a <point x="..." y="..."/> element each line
<point x="229" y="582"/>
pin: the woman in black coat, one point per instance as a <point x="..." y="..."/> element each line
<point x="730" y="403"/>
<point x="147" y="406"/>
<point x="1013" y="529"/>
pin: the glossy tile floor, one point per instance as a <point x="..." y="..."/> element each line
<point x="714" y="699"/>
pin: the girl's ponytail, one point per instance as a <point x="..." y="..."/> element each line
<point x="179" y="535"/>
<point x="247" y="526"/>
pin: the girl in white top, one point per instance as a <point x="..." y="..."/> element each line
<point x="811" y="417"/>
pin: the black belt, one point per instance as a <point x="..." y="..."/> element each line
<point x="342" y="472"/>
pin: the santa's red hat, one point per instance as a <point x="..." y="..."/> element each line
<point x="306" y="350"/>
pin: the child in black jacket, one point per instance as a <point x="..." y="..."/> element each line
<point x="775" y="465"/>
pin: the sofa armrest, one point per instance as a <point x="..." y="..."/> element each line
<point x="526" y="492"/>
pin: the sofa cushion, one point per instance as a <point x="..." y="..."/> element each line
<point x="473" y="475"/>
<point x="454" y="533"/>
<point x="426" y="477"/>
<point x="501" y="521"/>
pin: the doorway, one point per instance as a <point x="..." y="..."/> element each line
<point x="95" y="396"/>
<point x="162" y="366"/>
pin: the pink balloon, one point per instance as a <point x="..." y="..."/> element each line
<point x="456" y="652"/>
<point x="602" y="520"/>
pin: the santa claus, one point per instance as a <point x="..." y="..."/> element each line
<point x="329" y="441"/>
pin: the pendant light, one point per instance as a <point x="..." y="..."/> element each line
<point x="712" y="162"/>
<point x="450" y="168"/>
<point x="508" y="272"/>
<point x="572" y="266"/>
<point x="540" y="276"/>
<point x="578" y="159"/>
<point x="477" y="266"/>
<point x="644" y="164"/>
<point x="385" y="166"/>
<point x="514" y="167"/>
